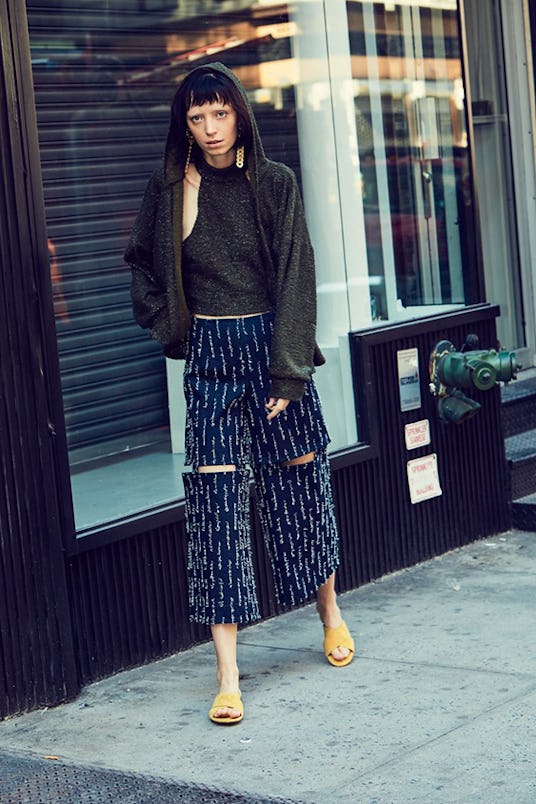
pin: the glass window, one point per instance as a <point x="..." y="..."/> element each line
<point x="409" y="105"/>
<point x="104" y="74"/>
<point x="494" y="169"/>
<point x="363" y="100"/>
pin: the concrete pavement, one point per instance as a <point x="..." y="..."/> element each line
<point x="438" y="706"/>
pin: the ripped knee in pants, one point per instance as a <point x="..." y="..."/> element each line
<point x="307" y="458"/>
<point x="227" y="467"/>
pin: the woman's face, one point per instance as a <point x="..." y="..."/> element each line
<point x="214" y="128"/>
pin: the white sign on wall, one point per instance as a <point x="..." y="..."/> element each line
<point x="423" y="478"/>
<point x="408" y="379"/>
<point x="417" y="434"/>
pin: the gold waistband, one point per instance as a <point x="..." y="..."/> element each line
<point x="215" y="317"/>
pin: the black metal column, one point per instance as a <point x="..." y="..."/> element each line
<point x="37" y="664"/>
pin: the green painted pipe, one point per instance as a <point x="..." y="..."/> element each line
<point x="476" y="369"/>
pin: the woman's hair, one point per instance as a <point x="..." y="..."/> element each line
<point x="205" y="85"/>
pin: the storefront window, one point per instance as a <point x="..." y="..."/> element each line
<point x="363" y="100"/>
<point x="411" y="131"/>
<point x="492" y="113"/>
<point x="104" y="75"/>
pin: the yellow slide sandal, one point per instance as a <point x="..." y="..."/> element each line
<point x="226" y="700"/>
<point x="338" y="638"/>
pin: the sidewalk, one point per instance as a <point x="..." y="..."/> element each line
<point x="438" y="706"/>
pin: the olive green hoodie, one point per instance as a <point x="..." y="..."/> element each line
<point x="154" y="255"/>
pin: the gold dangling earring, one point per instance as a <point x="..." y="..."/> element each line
<point x="239" y="157"/>
<point x="189" y="154"/>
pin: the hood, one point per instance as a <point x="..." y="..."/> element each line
<point x="176" y="145"/>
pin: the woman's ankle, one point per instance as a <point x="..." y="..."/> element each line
<point x="228" y="678"/>
<point x="329" y="612"/>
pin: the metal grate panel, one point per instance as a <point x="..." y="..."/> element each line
<point x="518" y="407"/>
<point x="28" y="780"/>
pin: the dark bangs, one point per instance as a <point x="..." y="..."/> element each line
<point x="209" y="88"/>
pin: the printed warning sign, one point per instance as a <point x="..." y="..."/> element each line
<point x="417" y="434"/>
<point x="423" y="478"/>
<point x="408" y="379"/>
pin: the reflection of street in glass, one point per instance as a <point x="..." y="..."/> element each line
<point x="103" y="81"/>
<point x="60" y="305"/>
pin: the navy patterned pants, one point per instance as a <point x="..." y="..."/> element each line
<point x="226" y="383"/>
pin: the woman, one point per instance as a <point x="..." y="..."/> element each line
<point x="223" y="275"/>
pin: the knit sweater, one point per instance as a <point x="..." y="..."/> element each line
<point x="154" y="254"/>
<point x="222" y="266"/>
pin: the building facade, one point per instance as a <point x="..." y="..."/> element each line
<point x="410" y="126"/>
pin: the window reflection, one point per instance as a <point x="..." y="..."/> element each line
<point x="104" y="75"/>
<point x="105" y="72"/>
<point x="412" y="139"/>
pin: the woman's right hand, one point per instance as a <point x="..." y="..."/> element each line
<point x="276" y="406"/>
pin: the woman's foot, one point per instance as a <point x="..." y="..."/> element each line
<point x="336" y="642"/>
<point x="228" y="685"/>
<point x="333" y="619"/>
<point x="226" y="709"/>
<point x="330" y="615"/>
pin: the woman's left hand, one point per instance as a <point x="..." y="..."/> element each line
<point x="276" y="406"/>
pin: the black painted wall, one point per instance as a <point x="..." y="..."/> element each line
<point x="37" y="663"/>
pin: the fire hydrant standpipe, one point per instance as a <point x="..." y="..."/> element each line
<point x="476" y="369"/>
<point x="451" y="370"/>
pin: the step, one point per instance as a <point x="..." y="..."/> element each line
<point x="524" y="513"/>
<point x="518" y="405"/>
<point x="521" y="456"/>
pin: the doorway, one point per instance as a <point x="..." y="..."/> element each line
<point x="499" y="99"/>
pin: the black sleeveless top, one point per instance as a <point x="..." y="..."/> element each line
<point x="222" y="267"/>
